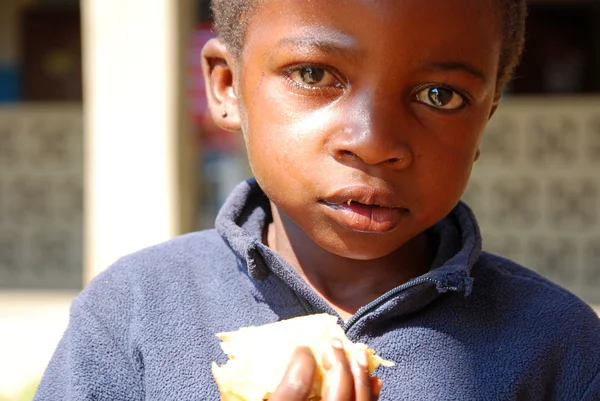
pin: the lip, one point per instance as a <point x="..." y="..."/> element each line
<point x="371" y="209"/>
<point x="365" y="194"/>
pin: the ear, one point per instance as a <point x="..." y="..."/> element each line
<point x="495" y="105"/>
<point x="218" y="69"/>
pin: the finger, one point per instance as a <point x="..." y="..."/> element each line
<point x="339" y="383"/>
<point x="298" y="379"/>
<point x="376" y="386"/>
<point x="360" y="372"/>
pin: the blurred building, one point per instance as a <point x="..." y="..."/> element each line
<point x="106" y="147"/>
<point x="536" y="188"/>
<point x="41" y="182"/>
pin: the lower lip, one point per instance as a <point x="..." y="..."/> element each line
<point x="365" y="218"/>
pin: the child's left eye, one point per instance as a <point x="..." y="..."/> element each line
<point x="441" y="98"/>
<point x="313" y="77"/>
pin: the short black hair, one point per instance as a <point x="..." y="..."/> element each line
<point x="231" y="18"/>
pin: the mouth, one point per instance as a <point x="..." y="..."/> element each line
<point x="364" y="209"/>
<point x="351" y="202"/>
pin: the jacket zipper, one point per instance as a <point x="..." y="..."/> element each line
<point x="305" y="304"/>
<point x="371" y="306"/>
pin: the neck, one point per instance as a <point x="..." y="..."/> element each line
<point x="347" y="284"/>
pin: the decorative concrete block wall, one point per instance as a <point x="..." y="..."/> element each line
<point x="41" y="196"/>
<point x="536" y="189"/>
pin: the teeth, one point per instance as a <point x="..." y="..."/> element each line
<point x="349" y="202"/>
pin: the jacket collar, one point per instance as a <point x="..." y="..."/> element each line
<point x="243" y="218"/>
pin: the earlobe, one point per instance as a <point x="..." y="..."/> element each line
<point x="218" y="69"/>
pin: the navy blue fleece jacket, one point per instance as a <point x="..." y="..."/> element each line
<point x="475" y="327"/>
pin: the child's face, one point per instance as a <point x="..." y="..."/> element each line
<point x="381" y="102"/>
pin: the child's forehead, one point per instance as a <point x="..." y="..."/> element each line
<point x="374" y="13"/>
<point x="437" y="24"/>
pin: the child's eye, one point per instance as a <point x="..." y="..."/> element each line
<point x="441" y="98"/>
<point x="313" y="77"/>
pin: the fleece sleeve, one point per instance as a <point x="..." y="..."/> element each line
<point x="94" y="360"/>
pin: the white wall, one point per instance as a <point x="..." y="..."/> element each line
<point x="130" y="107"/>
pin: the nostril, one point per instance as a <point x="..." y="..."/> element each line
<point x="395" y="160"/>
<point x="348" y="154"/>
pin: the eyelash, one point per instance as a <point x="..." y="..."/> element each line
<point x="312" y="89"/>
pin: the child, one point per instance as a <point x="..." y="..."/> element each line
<point x="362" y="120"/>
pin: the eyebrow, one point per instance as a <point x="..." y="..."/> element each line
<point x="343" y="46"/>
<point x="446" y="66"/>
<point x="338" y="45"/>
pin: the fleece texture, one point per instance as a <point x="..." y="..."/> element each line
<point x="475" y="327"/>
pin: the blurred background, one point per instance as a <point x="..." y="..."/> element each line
<point x="106" y="147"/>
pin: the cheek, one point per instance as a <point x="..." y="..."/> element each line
<point x="283" y="135"/>
<point x="444" y="162"/>
<point x="458" y="158"/>
<point x="456" y="140"/>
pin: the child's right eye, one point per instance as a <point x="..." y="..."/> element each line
<point x="313" y="77"/>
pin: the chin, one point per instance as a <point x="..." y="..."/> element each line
<point x="362" y="251"/>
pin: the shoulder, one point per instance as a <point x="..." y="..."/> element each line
<point x="143" y="310"/>
<point x="161" y="270"/>
<point x="525" y="289"/>
<point x="189" y="252"/>
<point x="541" y="320"/>
<point x="533" y="300"/>
<point x="185" y="248"/>
<point x="550" y="337"/>
<point x="183" y="274"/>
<point x="506" y="286"/>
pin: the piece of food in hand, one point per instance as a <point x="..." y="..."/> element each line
<point x="259" y="356"/>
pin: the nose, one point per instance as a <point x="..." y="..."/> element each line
<point x="371" y="134"/>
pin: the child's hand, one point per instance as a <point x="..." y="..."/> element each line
<point x="345" y="380"/>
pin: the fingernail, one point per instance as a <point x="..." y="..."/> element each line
<point x="329" y="357"/>
<point x="379" y="386"/>
<point x="363" y="359"/>
<point x="336" y="345"/>
<point x="376" y="385"/>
